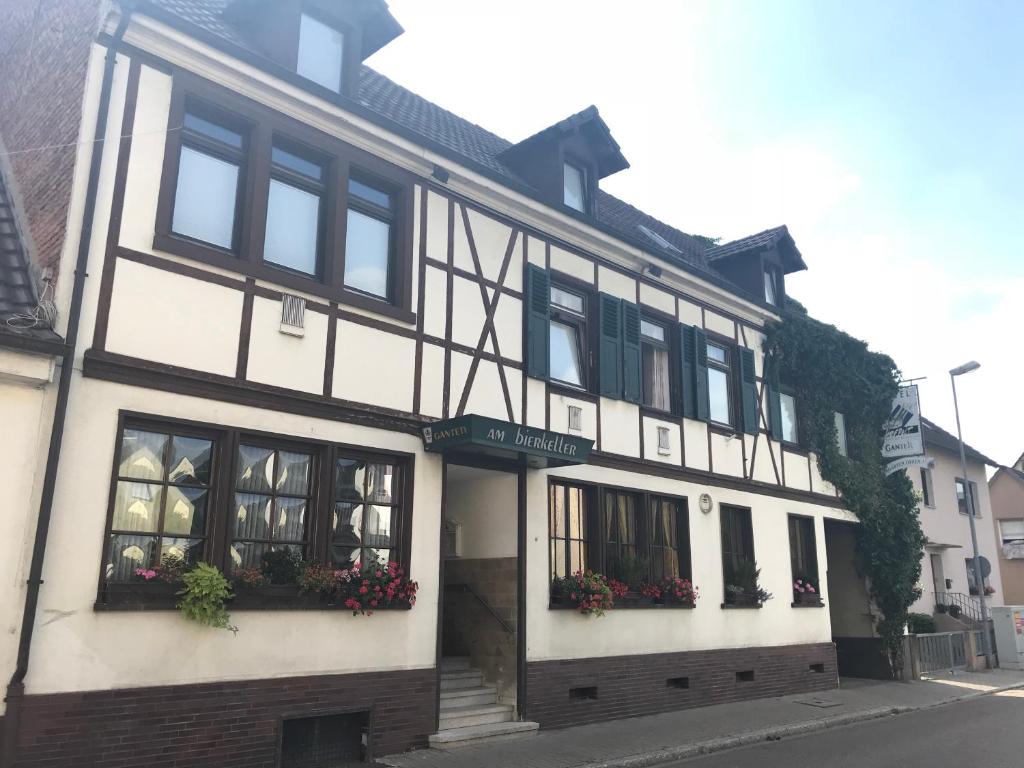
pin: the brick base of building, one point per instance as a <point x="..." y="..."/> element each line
<point x="234" y="724"/>
<point x="578" y="691"/>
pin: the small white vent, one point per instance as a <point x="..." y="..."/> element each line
<point x="664" y="444"/>
<point x="575" y="418"/>
<point x="293" y="315"/>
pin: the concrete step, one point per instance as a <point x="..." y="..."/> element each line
<point x="469" y="697"/>
<point x="452" y="681"/>
<point x="455" y="664"/>
<point x="481" y="734"/>
<point x="463" y="717"/>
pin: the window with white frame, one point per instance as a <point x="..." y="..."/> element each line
<point x="787" y="410"/>
<point x="840" y="421"/>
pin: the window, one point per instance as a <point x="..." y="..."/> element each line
<point x="961" y="500"/>
<point x="252" y="191"/>
<point x="273" y="489"/>
<point x="1011" y="531"/>
<point x="803" y="553"/>
<point x="574" y="187"/>
<point x="321" y="52"/>
<point x="738" y="563"/>
<point x="567" y="336"/>
<point x="365" y="512"/>
<point x="209" y="172"/>
<point x="182" y="491"/>
<point x="567" y="509"/>
<point x="771" y="287"/>
<point x="787" y="410"/>
<point x="620" y="534"/>
<point x="840" y="422"/>
<point x="294" y="212"/>
<point x="161" y="499"/>
<point x="368" y="239"/>
<point x="719" y="384"/>
<point x="927" y="489"/>
<point x="669" y="539"/>
<point x="655" y="365"/>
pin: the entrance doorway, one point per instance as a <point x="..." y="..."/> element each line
<point x="938" y="577"/>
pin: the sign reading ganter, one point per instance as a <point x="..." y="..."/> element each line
<point x="901" y="434"/>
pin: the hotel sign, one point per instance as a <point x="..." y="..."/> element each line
<point x="902" y="431"/>
<point x="472" y="432"/>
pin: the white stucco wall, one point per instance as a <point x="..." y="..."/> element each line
<point x="484" y="502"/>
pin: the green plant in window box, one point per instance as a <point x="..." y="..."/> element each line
<point x="629" y="574"/>
<point x="204" y="596"/>
<point x="671" y="590"/>
<point x="281" y="566"/>
<point x="590" y="593"/>
<point x="744" y="588"/>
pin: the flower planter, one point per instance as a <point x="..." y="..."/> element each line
<point x="807" y="600"/>
<point x="671" y="601"/>
<point x="141" y="595"/>
<point x="954" y="611"/>
<point x="941" y="608"/>
<point x="742" y="601"/>
<point x="633" y="600"/>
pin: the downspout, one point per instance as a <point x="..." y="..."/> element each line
<point x="16" y="686"/>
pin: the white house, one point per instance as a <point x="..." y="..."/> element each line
<point x="321" y="315"/>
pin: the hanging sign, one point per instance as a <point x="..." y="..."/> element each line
<point x="901" y="433"/>
<point x="908" y="462"/>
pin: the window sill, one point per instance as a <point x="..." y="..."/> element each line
<point x="723" y="429"/>
<point x="737" y="607"/>
<point x="196" y="251"/>
<point x="567" y="390"/>
<point x="164" y="597"/>
<point x="657" y="413"/>
<point x="627" y="603"/>
<point x="818" y="604"/>
<point x="794" y="448"/>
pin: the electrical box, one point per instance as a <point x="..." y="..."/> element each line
<point x="1008" y="623"/>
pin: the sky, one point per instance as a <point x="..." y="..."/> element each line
<point x="888" y="136"/>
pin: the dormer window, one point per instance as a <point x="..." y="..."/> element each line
<point x="574" y="187"/>
<point x="321" y="53"/>
<point x="771" y="287"/>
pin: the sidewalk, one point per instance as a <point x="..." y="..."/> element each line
<point x="646" y="741"/>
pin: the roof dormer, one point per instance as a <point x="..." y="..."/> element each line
<point x="321" y="41"/>
<point x="566" y="160"/>
<point x="759" y="263"/>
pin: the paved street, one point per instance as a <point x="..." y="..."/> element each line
<point x="986" y="732"/>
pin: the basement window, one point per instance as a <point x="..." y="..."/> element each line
<point x="681" y="683"/>
<point x="583" y="693"/>
<point x="315" y="742"/>
<point x="746" y="676"/>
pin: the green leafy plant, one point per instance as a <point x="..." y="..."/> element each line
<point x="281" y="566"/>
<point x="204" y="595"/>
<point x="248" y="577"/>
<point x="920" y="624"/>
<point x="831" y="371"/>
<point x="317" y="577"/>
<point x="630" y="570"/>
<point x="743" y="586"/>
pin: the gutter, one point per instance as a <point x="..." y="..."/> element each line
<point x="16" y="685"/>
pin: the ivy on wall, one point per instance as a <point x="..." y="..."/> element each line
<point x="831" y="371"/>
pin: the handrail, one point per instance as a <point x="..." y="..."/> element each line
<point x="467" y="589"/>
<point x="968" y="604"/>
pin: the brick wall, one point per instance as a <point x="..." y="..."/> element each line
<point x="228" y="725"/>
<point x="44" y="50"/>
<point x="628" y="686"/>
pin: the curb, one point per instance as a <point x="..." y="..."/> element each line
<point x="683" y="752"/>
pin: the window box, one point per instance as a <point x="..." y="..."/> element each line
<point x="138" y="596"/>
<point x="743" y="601"/>
<point x="805" y="600"/>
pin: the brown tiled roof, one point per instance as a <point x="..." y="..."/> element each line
<point x="16" y="293"/>
<point x="760" y="241"/>
<point x="397" y="108"/>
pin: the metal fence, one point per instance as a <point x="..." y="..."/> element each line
<point x="943" y="651"/>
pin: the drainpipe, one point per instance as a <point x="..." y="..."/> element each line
<point x="16" y="686"/>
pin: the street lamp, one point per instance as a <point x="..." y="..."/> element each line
<point x="979" y="579"/>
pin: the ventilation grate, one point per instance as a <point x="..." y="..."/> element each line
<point x="575" y="418"/>
<point x="664" y="444"/>
<point x="746" y="676"/>
<point x="314" y="742"/>
<point x="682" y="683"/>
<point x="293" y="315"/>
<point x="583" y="693"/>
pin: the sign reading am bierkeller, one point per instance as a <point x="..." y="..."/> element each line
<point x="901" y="433"/>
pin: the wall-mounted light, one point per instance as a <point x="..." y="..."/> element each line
<point x="653" y="270"/>
<point x="440" y="174"/>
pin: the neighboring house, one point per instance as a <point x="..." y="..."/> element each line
<point x="322" y="315"/>
<point x="947" y="570"/>
<point x="1006" y="490"/>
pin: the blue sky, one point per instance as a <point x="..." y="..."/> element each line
<point x="889" y="136"/>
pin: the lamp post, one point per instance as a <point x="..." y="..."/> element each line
<point x="979" y="579"/>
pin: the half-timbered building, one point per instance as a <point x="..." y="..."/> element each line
<point x="307" y="311"/>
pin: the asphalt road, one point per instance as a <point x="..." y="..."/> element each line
<point x="986" y="732"/>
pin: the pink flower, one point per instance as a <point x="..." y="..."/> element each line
<point x="363" y="590"/>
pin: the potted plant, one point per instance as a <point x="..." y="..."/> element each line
<point x="627" y="576"/>
<point x="204" y="595"/>
<point x="954" y="611"/>
<point x="805" y="592"/>
<point x="673" y="590"/>
<point x="743" y="589"/>
<point x="374" y="586"/>
<point x="587" y="591"/>
<point x="940" y="608"/>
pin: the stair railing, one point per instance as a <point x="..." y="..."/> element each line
<point x="468" y="590"/>
<point x="967" y="604"/>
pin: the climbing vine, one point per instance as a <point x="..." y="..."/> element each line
<point x="831" y="371"/>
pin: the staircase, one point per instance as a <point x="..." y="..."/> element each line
<point x="470" y="712"/>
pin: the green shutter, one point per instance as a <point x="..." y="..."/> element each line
<point x="774" y="406"/>
<point x="687" y="357"/>
<point x="630" y="352"/>
<point x="694" y="356"/>
<point x="609" y="353"/>
<point x="701" y="374"/>
<point x="748" y="389"/>
<point x="538" y="321"/>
